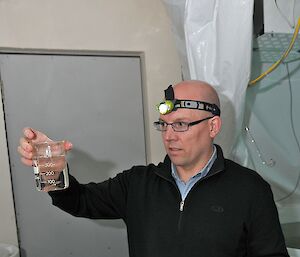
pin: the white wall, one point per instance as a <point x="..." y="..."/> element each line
<point x="128" y="25"/>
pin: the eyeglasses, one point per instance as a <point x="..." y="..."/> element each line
<point x="179" y="126"/>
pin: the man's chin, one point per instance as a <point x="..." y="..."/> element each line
<point x="176" y="160"/>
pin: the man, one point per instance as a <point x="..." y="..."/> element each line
<point x="195" y="203"/>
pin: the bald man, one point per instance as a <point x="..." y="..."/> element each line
<point x="194" y="203"/>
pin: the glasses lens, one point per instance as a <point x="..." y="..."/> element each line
<point x="160" y="126"/>
<point x="180" y="126"/>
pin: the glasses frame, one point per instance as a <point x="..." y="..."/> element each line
<point x="157" y="124"/>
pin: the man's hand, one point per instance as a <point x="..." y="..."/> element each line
<point x="30" y="137"/>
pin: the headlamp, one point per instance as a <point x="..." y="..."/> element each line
<point x="171" y="104"/>
<point x="165" y="107"/>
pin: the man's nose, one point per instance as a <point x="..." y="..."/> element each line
<point x="169" y="134"/>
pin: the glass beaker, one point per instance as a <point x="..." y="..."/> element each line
<point x="50" y="166"/>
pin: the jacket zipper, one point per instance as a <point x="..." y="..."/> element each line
<point x="181" y="206"/>
<point x="182" y="202"/>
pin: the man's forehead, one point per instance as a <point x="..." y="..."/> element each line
<point x="182" y="115"/>
<point x="186" y="92"/>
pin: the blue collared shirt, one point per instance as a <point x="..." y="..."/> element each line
<point x="185" y="187"/>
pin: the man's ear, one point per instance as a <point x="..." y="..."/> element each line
<point x="215" y="126"/>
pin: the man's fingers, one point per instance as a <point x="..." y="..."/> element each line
<point x="31" y="137"/>
<point x="29" y="133"/>
<point x="35" y="135"/>
<point x="68" y="145"/>
<point x="25" y="144"/>
<point x="27" y="162"/>
<point x="24" y="153"/>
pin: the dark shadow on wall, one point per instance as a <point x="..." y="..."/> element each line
<point x="87" y="169"/>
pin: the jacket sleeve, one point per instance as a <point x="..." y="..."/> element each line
<point x="265" y="233"/>
<point x="106" y="200"/>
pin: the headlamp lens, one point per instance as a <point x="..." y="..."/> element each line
<point x="165" y="107"/>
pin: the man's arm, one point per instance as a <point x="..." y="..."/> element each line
<point x="265" y="233"/>
<point x="105" y="200"/>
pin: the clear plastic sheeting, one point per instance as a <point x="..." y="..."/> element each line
<point x="271" y="145"/>
<point x="214" y="39"/>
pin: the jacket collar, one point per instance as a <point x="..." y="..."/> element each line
<point x="164" y="168"/>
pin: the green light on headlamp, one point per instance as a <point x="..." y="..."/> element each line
<point x="165" y="107"/>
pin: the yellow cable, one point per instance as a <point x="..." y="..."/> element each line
<point x="275" y="65"/>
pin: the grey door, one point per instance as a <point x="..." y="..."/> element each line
<point x="96" y="103"/>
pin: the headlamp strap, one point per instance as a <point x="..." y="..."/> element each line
<point x="169" y="93"/>
<point x="174" y="104"/>
<point x="199" y="105"/>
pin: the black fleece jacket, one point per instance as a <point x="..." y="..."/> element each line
<point x="228" y="213"/>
